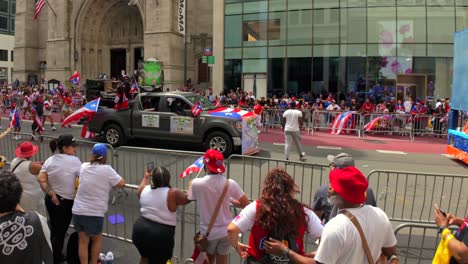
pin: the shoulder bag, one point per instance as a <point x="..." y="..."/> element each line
<point x="200" y="240"/>
<point x="383" y="259"/>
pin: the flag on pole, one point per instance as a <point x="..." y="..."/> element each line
<point x="134" y="88"/>
<point x="37" y="9"/>
<point x="75" y="79"/>
<point x="195" y="167"/>
<point x="87" y="110"/>
<point x="197" y="109"/>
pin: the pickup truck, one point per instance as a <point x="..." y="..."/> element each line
<point x="167" y="116"/>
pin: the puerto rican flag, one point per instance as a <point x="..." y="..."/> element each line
<point x="15" y="118"/>
<point x="195" y="167"/>
<point x="75" y="79"/>
<point x="341" y="122"/>
<point x="369" y="126"/>
<point x="231" y="113"/>
<point x="37" y="120"/>
<point x="199" y="257"/>
<point x="197" y="109"/>
<point x="134" y="89"/>
<point x="85" y="133"/>
<point x="87" y="110"/>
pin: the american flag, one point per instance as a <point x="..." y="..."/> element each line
<point x="37" y="8"/>
<point x="197" y="109"/>
<point x="195" y="167"/>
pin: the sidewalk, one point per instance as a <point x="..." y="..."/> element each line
<point x="423" y="144"/>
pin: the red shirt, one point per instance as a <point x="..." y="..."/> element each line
<point x="258" y="109"/>
<point x="67" y="100"/>
<point x="368" y="107"/>
<point x="258" y="237"/>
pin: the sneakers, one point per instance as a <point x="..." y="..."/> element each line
<point x="106" y="259"/>
<point x="53" y="128"/>
<point x="302" y="156"/>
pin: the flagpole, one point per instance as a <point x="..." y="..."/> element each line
<point x="200" y="171"/>
<point x="51" y="9"/>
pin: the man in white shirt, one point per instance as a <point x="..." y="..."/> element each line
<point x="292" y="123"/>
<point x="206" y="191"/>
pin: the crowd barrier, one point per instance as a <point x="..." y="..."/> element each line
<point x="271" y="118"/>
<point x="410" y="196"/>
<point x="417" y="242"/>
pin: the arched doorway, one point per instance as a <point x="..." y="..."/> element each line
<point x="109" y="38"/>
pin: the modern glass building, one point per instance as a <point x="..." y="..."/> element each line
<point x="392" y="47"/>
<point x="7" y="39"/>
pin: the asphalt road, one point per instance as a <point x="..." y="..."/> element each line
<point x="249" y="172"/>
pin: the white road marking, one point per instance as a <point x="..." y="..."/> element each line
<point x="329" y="147"/>
<point x="391" y="152"/>
<point x="278" y="144"/>
<point x="447" y="155"/>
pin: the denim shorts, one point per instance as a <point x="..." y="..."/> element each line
<point x="91" y="225"/>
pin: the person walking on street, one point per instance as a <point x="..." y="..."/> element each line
<point x="206" y="191"/>
<point x="292" y="123"/>
<point x="26" y="171"/>
<point x="57" y="180"/>
<point x="91" y="202"/>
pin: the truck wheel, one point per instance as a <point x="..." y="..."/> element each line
<point x="113" y="135"/>
<point x="220" y="141"/>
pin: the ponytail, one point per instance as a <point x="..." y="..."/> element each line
<point x="53" y="145"/>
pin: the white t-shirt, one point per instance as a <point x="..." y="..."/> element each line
<point x="292" y="119"/>
<point x="96" y="181"/>
<point x="341" y="242"/>
<point x="47" y="104"/>
<point x="246" y="219"/>
<point x="62" y="169"/>
<point x="154" y="206"/>
<point x="333" y="108"/>
<point x="206" y="191"/>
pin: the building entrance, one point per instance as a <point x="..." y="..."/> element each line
<point x="117" y="62"/>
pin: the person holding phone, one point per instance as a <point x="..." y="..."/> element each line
<point x="458" y="243"/>
<point x="154" y="231"/>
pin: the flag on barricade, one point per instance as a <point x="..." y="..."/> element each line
<point x="195" y="167"/>
<point x="369" y="126"/>
<point x="341" y="122"/>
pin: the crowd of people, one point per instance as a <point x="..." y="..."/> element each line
<point x="64" y="190"/>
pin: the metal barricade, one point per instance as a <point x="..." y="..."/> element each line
<point x="417" y="243"/>
<point x="410" y="196"/>
<point x="386" y="124"/>
<point x="428" y="125"/>
<point x="271" y="118"/>
<point x="324" y="121"/>
<point x="249" y="172"/>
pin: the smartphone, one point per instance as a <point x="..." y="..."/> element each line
<point x="442" y="212"/>
<point x="150" y="166"/>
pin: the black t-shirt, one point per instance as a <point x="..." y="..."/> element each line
<point x="461" y="235"/>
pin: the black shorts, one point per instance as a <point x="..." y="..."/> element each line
<point x="153" y="240"/>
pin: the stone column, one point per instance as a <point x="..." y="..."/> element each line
<point x="218" y="46"/>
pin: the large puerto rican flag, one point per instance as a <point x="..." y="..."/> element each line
<point x="369" y="126"/>
<point x="231" y="113"/>
<point x="87" y="110"/>
<point x="75" y="79"/>
<point x="195" y="167"/>
<point x="341" y="122"/>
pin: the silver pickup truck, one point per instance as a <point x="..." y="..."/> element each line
<point x="167" y="116"/>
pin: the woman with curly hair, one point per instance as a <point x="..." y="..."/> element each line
<point x="276" y="215"/>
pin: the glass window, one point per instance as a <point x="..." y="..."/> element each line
<point x="299" y="51"/>
<point x="381" y="71"/>
<point x="440" y="2"/>
<point x="299" y="4"/>
<point x="4" y="6"/>
<point x="355" y="74"/>
<point x="411" y="2"/>
<point x="300" y="27"/>
<point x="461" y="2"/>
<point x="299" y="75"/>
<point x="254" y="66"/>
<point x="255" y="53"/>
<point x="326" y="50"/>
<point x="381" y="25"/>
<point x="233" y="9"/>
<point x="411" y="50"/>
<point x="277" y="5"/>
<point x="381" y="2"/>
<point x="328" y="71"/>
<point x="381" y="50"/>
<point x="326" y="3"/>
<point x="277" y="52"/>
<point x="277" y="28"/>
<point x="232" y="74"/>
<point x="440" y="24"/>
<point x="440" y="50"/>
<point x="353" y="3"/>
<point x="326" y="26"/>
<point x="462" y="18"/>
<point x="3" y="55"/>
<point x="233" y="31"/>
<point x="350" y="50"/>
<point x="3" y="22"/>
<point x="353" y="25"/>
<point x="254" y="31"/>
<point x="411" y="26"/>
<point x="12" y="24"/>
<point x="12" y="8"/>
<point x="256" y="7"/>
<point x="276" y="73"/>
<point x="11" y="56"/>
<point x="233" y="53"/>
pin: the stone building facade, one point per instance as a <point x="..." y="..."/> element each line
<point x="108" y="36"/>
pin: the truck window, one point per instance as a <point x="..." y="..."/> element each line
<point x="150" y="103"/>
<point x="175" y="105"/>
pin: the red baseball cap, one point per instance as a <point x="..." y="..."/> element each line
<point x="350" y="184"/>
<point x="26" y="150"/>
<point x="294" y="98"/>
<point x="214" y="160"/>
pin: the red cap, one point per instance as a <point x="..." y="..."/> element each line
<point x="294" y="98"/>
<point x="214" y="160"/>
<point x="26" y="149"/>
<point x="350" y="184"/>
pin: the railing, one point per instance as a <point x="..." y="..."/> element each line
<point x="271" y="118"/>
<point x="410" y="196"/>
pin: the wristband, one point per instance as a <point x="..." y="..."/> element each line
<point x="286" y="252"/>
<point x="392" y="258"/>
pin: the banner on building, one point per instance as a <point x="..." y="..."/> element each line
<point x="181" y="17"/>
